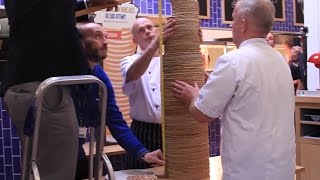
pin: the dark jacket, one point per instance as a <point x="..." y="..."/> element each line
<point x="43" y="41"/>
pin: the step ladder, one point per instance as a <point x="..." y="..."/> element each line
<point x="29" y="167"/>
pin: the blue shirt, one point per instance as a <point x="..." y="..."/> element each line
<point x="87" y="111"/>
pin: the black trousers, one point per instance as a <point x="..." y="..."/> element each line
<point x="150" y="135"/>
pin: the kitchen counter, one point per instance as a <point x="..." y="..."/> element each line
<point x="215" y="170"/>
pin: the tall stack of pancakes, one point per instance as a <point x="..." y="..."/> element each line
<point x="186" y="141"/>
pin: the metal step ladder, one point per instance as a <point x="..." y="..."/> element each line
<point x="95" y="172"/>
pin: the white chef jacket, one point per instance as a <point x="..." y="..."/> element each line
<point x="144" y="93"/>
<point x="251" y="88"/>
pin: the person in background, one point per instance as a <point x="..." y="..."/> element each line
<point x="94" y="39"/>
<point x="141" y="74"/>
<point x="257" y="117"/>
<point x="271" y="39"/>
<point x="44" y="42"/>
<point x="295" y="51"/>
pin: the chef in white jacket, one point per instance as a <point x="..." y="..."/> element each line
<point x="251" y="90"/>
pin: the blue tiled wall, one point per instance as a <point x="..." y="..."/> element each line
<point x="9" y="148"/>
<point x="151" y="7"/>
<point x="214" y="138"/>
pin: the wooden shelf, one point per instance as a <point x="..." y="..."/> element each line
<point x="310" y="122"/>
<point x="308" y="145"/>
<point x="302" y="99"/>
<point x="309" y="140"/>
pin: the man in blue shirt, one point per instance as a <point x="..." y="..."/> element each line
<point x="95" y="45"/>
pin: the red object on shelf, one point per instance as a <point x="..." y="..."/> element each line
<point x="315" y="58"/>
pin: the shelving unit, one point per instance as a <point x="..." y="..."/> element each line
<point x="307" y="121"/>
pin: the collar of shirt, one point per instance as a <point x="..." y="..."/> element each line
<point x="252" y="40"/>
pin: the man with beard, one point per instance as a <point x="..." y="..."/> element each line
<point x="95" y="44"/>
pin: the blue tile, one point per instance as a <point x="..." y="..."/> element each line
<point x="16" y="147"/>
<point x="1" y="147"/>
<point x="217" y="140"/>
<point x="155" y="6"/>
<point x="149" y="4"/>
<point x="9" y="173"/>
<point x="7" y="156"/>
<point x="7" y="137"/>
<point x="16" y="165"/>
<point x="215" y="6"/>
<point x="2" y="177"/>
<point x="1" y="166"/>
<point x="17" y="177"/>
<point x="1" y="134"/>
<point x="14" y="131"/>
<point x="136" y="2"/>
<point x="6" y="120"/>
<point x="168" y="9"/>
<point x="143" y="7"/>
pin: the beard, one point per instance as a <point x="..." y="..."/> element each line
<point x="93" y="52"/>
<point x="95" y="56"/>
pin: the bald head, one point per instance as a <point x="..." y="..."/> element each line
<point x="137" y="23"/>
<point x="88" y="29"/>
<point x="143" y="32"/>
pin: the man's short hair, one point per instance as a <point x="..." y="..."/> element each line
<point x="262" y="12"/>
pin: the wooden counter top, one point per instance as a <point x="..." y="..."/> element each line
<point x="215" y="170"/>
<point x="307" y="99"/>
<point x="108" y="150"/>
